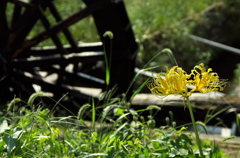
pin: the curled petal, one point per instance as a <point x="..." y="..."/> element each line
<point x="173" y="83"/>
<point x="205" y="80"/>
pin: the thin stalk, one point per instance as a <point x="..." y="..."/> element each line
<point x="194" y="127"/>
<point x="93" y="115"/>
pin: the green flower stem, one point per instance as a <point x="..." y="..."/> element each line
<point x="195" y="127"/>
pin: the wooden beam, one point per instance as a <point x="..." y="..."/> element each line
<point x="16" y="15"/>
<point x="53" y="36"/>
<point x="59" y="27"/>
<point x="23" y="25"/>
<point x="85" y="57"/>
<point x="58" y="18"/>
<point x="81" y="47"/>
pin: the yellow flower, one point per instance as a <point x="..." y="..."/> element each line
<point x="174" y="83"/>
<point x="205" y="80"/>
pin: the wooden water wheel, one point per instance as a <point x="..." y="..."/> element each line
<point x="25" y="64"/>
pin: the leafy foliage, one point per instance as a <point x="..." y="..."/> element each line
<point x="119" y="131"/>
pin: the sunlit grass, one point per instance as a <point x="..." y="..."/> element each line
<point x="119" y="131"/>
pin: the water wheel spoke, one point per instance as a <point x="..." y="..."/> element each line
<point x="61" y="69"/>
<point x="53" y="36"/>
<point x="23" y="25"/>
<point x="60" y="26"/>
<point x="58" y="18"/>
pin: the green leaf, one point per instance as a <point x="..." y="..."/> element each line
<point x="183" y="152"/>
<point x="156" y="144"/>
<point x="11" y="140"/>
<point x="120" y="118"/>
<point x="186" y="139"/>
<point x="173" y="152"/>
<point x="120" y="111"/>
<point x="18" y="133"/>
<point x="125" y="149"/>
<point x="41" y="119"/>
<point x="117" y="130"/>
<point x="3" y="125"/>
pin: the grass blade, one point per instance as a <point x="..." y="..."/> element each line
<point x="12" y="103"/>
<point x="93" y="114"/>
<point x="82" y="110"/>
<point x="139" y="89"/>
<point x="33" y="97"/>
<point x="203" y="126"/>
<point x="109" y="35"/>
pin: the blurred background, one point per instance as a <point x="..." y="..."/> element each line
<point x="160" y="24"/>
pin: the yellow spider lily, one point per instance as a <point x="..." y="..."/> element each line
<point x="174" y="83"/>
<point x="205" y="80"/>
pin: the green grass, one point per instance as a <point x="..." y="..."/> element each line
<point x="114" y="131"/>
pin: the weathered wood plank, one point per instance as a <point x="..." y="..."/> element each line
<point x="202" y="100"/>
<point x="204" y="105"/>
